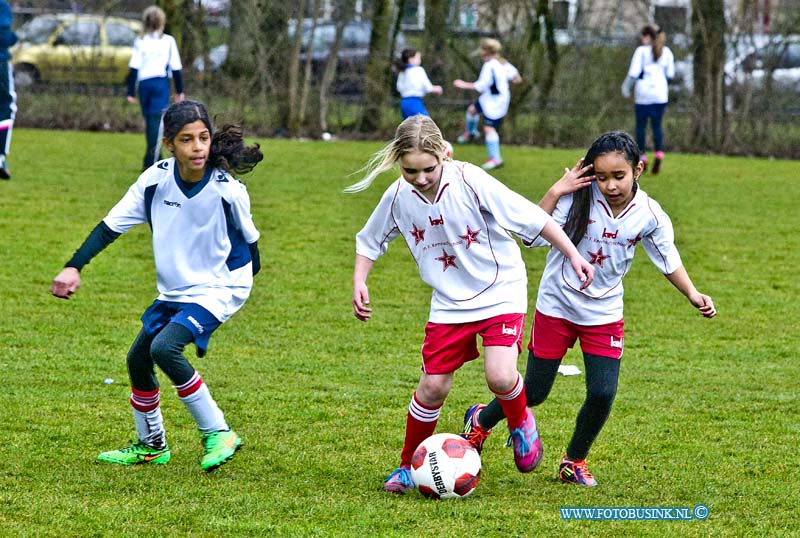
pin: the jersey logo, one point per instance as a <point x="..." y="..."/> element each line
<point x="598" y="257"/>
<point x="470" y="237"/>
<point x="172" y="204"/>
<point x="437" y="222"/>
<point x="222" y="179"/>
<point x="419" y="235"/>
<point x="448" y="260"/>
<point x="609" y="234"/>
<point x="163" y="165"/>
<point x="632" y="242"/>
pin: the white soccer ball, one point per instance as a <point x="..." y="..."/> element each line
<point x="326" y="136"/>
<point x="448" y="152"/>
<point x="445" y="466"/>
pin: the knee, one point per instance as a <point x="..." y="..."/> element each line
<point x="471" y="109"/>
<point x="601" y="397"/>
<point x="433" y="391"/>
<point x="535" y="395"/>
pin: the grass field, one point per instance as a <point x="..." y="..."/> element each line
<point x="707" y="410"/>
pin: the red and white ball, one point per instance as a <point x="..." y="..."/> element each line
<point x="445" y="466"/>
<point x="448" y="149"/>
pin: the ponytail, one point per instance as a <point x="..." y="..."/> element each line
<point x="230" y="153"/>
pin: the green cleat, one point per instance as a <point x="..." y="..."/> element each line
<point x="135" y="454"/>
<point x="220" y="447"/>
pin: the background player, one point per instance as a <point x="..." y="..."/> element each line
<point x="413" y="84"/>
<point x="8" y="97"/>
<point x="155" y="58"/>
<point x="606" y="215"/>
<point x="458" y="222"/>
<point x="206" y="254"/>
<point x="493" y="101"/>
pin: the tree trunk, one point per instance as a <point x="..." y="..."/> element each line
<point x="435" y="44"/>
<point x="343" y="13"/>
<point x="708" y="43"/>
<point x="307" y="72"/>
<point x="376" y="79"/>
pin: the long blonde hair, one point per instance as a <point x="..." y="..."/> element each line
<point x="416" y="133"/>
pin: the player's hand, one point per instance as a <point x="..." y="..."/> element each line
<point x="461" y="84"/>
<point x="437" y="90"/>
<point x="66" y="283"/>
<point x="131" y="99"/>
<point x="179" y="97"/>
<point x="584" y="270"/>
<point x="574" y="179"/>
<point x="704" y="304"/>
<point x="361" y="307"/>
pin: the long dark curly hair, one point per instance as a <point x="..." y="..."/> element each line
<point x="228" y="150"/>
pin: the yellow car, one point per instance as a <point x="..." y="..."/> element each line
<point x="75" y="48"/>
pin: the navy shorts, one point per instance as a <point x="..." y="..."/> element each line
<point x="194" y="317"/>
<point x="489" y="122"/>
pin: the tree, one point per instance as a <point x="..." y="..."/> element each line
<point x="435" y="45"/>
<point x="376" y="79"/>
<point x="708" y="43"/>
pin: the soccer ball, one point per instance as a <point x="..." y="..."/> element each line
<point x="448" y="149"/>
<point x="445" y="466"/>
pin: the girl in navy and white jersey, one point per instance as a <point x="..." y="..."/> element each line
<point x="495" y="97"/>
<point x="206" y="254"/>
<point x="652" y="65"/>
<point x="606" y="216"/>
<point x="458" y="222"/>
<point x="154" y="60"/>
<point x="413" y="84"/>
<point x="8" y="97"/>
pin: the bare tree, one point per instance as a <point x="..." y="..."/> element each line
<point x="708" y="37"/>
<point x="343" y="12"/>
<point x="435" y="44"/>
<point x="376" y="80"/>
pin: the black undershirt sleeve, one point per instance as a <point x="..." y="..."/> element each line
<point x="256" y="257"/>
<point x="131" y="81"/>
<point x="177" y="79"/>
<point x="100" y="238"/>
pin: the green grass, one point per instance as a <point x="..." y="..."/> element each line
<point x="707" y="410"/>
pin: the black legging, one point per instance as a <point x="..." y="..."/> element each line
<point x="602" y="374"/>
<point x="165" y="349"/>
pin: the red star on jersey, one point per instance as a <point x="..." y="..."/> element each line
<point x="448" y="260"/>
<point x="471" y="237"/>
<point x="632" y="242"/>
<point x="419" y="235"/>
<point x="598" y="257"/>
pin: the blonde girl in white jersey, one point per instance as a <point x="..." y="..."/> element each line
<point x="606" y="216"/>
<point x="458" y="222"/>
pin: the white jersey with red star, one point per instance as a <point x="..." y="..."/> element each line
<point x="462" y="242"/>
<point x="609" y="245"/>
<point x="200" y="236"/>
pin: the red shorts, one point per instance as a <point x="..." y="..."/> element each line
<point x="448" y="346"/>
<point x="552" y="337"/>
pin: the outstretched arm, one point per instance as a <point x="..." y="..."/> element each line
<point x="361" y="307"/>
<point x="69" y="279"/>
<point x="680" y="279"/>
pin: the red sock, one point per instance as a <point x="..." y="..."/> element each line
<point x="420" y="424"/>
<point x="514" y="403"/>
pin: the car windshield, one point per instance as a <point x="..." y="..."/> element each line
<point x="37" y="30"/>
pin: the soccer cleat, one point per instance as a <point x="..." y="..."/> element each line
<point x="472" y="431"/>
<point x="220" y="447"/>
<point x="575" y="472"/>
<point x="135" y="454"/>
<point x="4" y="173"/>
<point x="492" y="164"/>
<point x="399" y="481"/>
<point x="528" y="449"/>
<point x="656" y="166"/>
<point x="465" y="137"/>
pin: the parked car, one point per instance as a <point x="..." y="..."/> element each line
<point x="77" y="48"/>
<point x="352" y="56"/>
<point x="750" y="63"/>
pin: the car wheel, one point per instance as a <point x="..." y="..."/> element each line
<point x="25" y="75"/>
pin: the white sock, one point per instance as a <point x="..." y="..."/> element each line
<point x="204" y="410"/>
<point x="150" y="427"/>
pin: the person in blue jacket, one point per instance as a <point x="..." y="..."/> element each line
<point x="8" y="97"/>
